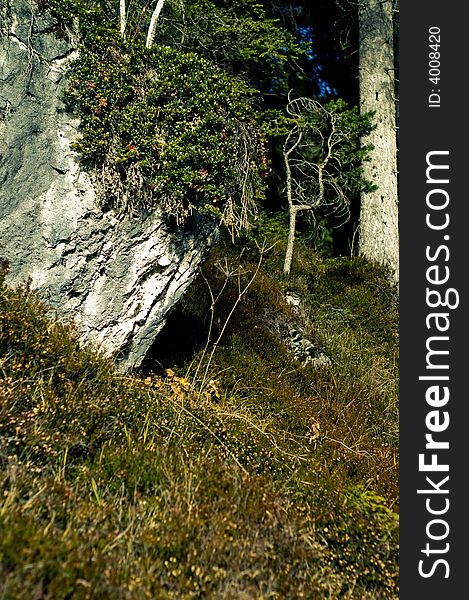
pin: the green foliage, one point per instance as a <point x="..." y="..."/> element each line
<point x="323" y="146"/>
<point x="182" y="128"/>
<point x="353" y="126"/>
<point x="177" y="125"/>
<point x="332" y="152"/>
<point x="162" y="126"/>
<point x="364" y="542"/>
<point x="271" y="481"/>
<point x="239" y="36"/>
<point x="361" y="291"/>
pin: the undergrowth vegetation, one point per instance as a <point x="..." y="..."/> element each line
<point x="165" y="126"/>
<point x="237" y="473"/>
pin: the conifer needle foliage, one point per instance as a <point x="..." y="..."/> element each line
<point x="165" y="125"/>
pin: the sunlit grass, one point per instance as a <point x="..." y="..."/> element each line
<point x="267" y="481"/>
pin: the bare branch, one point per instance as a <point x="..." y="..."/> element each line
<point x="311" y="158"/>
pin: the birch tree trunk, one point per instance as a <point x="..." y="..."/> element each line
<point x="291" y="240"/>
<point x="122" y="17"/>
<point x="379" y="230"/>
<point x="153" y="21"/>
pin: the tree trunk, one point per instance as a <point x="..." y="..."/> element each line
<point x="292" y="209"/>
<point x="153" y="22"/>
<point x="122" y="17"/>
<point x="291" y="241"/>
<point x="379" y="230"/>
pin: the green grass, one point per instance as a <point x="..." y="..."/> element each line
<point x="260" y="479"/>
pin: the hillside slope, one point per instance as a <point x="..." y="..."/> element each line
<point x="224" y="469"/>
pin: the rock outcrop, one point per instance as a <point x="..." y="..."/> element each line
<point x="292" y="329"/>
<point x="116" y="276"/>
<point x="294" y="335"/>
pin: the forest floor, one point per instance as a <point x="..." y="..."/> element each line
<point x="224" y="468"/>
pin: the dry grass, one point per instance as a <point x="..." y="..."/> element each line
<point x="270" y="481"/>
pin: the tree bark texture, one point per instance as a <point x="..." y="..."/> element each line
<point x="291" y="240"/>
<point x="379" y="228"/>
<point x="153" y="21"/>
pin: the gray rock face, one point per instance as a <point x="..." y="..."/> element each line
<point x="115" y="276"/>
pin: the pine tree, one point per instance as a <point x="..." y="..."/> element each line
<point x="379" y="234"/>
